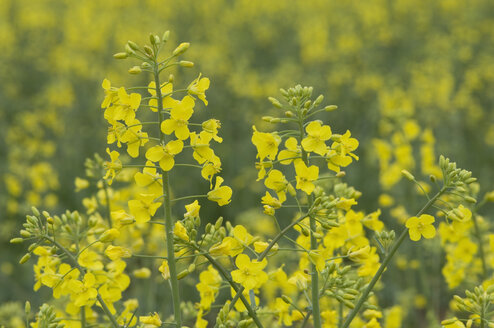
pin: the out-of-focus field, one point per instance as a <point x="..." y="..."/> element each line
<point x="420" y="68"/>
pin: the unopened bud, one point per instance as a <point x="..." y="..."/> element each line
<point x="181" y="49"/>
<point x="166" y="36"/>
<point x="407" y="175"/>
<point x="340" y="174"/>
<point x="35" y="211"/>
<point x="289" y="113"/>
<point x="286" y="299"/>
<point x="330" y="108"/>
<point x="432" y="178"/>
<point x="16" y="240"/>
<point x="149" y="51"/>
<point x="191" y="267"/>
<point x="25" y="233"/>
<point x="318" y="100"/>
<point x="132" y="45"/>
<point x="275" y="102"/>
<point x="120" y="55"/>
<point x="25" y="258"/>
<point x="171" y="78"/>
<point x="135" y="70"/>
<point x="27" y="308"/>
<point x="185" y="63"/>
<point x="470" y="199"/>
<point x="182" y="274"/>
<point x="109" y="235"/>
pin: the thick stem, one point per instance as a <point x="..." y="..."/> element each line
<point x="168" y="213"/>
<point x="386" y="261"/>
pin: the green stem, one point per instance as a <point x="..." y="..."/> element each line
<point x="72" y="259"/>
<point x="316" y="313"/>
<point x="237" y="289"/>
<point x="386" y="261"/>
<point x="108" y="206"/>
<point x="478" y="234"/>
<point x="83" y="317"/>
<point x="168" y="213"/>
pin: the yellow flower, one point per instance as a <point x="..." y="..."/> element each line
<point x="200" y="143"/>
<point x="165" y="270"/>
<point x="179" y="119"/>
<point x="117" y="252"/>
<point x="249" y="274"/>
<point x="291" y="153"/>
<point x="220" y="194"/>
<point x="305" y="176"/>
<point x="421" y="226"/>
<point x="317" y="135"/>
<point x="142" y="273"/>
<point x="277" y="182"/>
<point x="143" y="208"/>
<point x="81" y="184"/>
<point x="208" y="287"/>
<point x="84" y="292"/>
<point x="109" y="235"/>
<point x="149" y="179"/>
<point x="112" y="167"/>
<point x="153" y="320"/>
<point x="134" y="138"/>
<point x="271" y="201"/>
<point x="192" y="210"/>
<point x="211" y="127"/>
<point x="266" y="144"/>
<point x="180" y="231"/>
<point x="229" y="246"/>
<point x="164" y="154"/>
<point x="198" y="87"/>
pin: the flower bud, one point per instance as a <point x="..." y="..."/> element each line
<point x="185" y="63"/>
<point x="286" y="299"/>
<point x="318" y="100"/>
<point x="135" y="70"/>
<point x="27" y="308"/>
<point x="154" y="39"/>
<point x="149" y="51"/>
<point x="120" y="55"/>
<point x="132" y="45"/>
<point x="25" y="258"/>
<point x="407" y="175"/>
<point x="35" y="211"/>
<point x="330" y="108"/>
<point x="275" y="102"/>
<point x="109" y="235"/>
<point x="166" y="36"/>
<point x="182" y="274"/>
<point x="16" y="240"/>
<point x="25" y="233"/>
<point x="181" y="49"/>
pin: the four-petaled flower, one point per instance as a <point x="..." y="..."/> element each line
<point x="249" y="274"/>
<point x="421" y="226"/>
